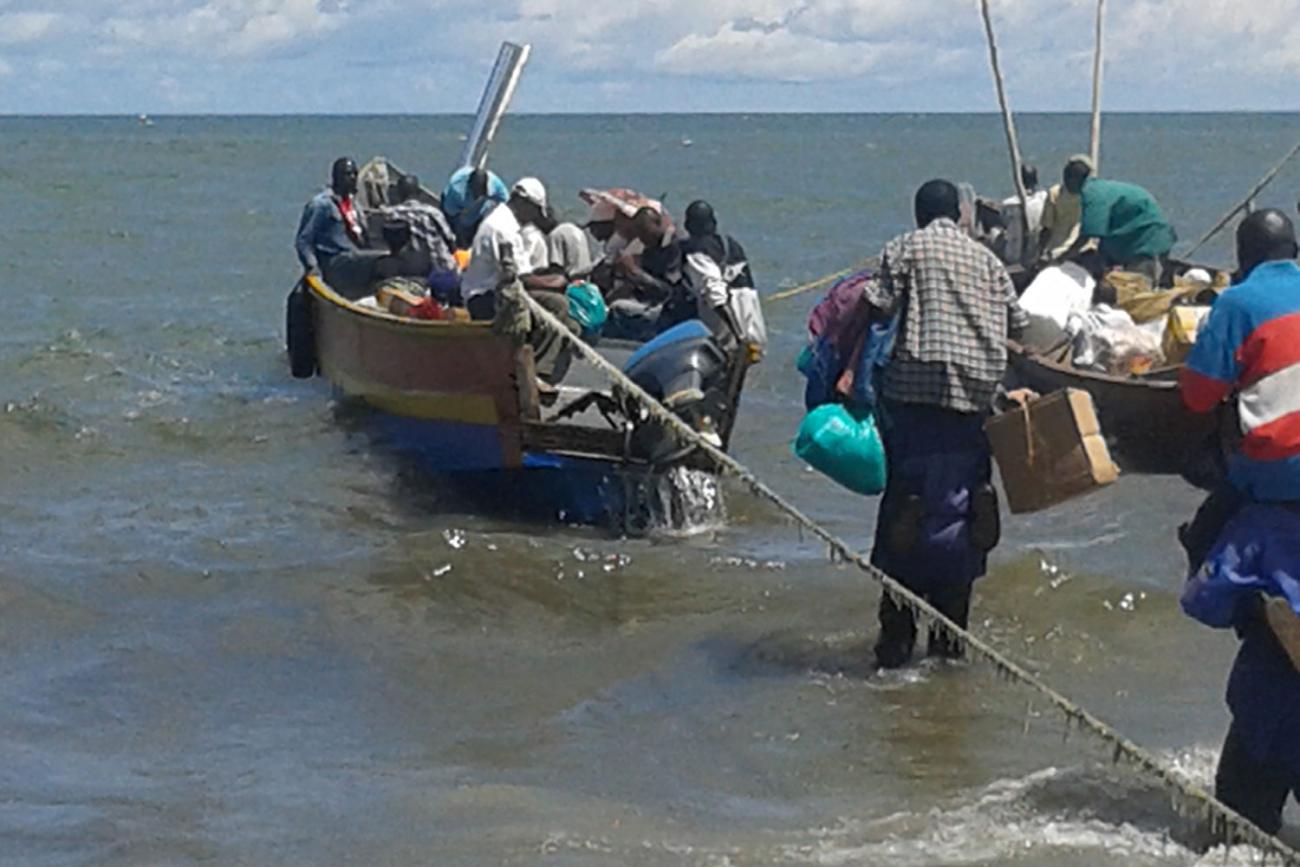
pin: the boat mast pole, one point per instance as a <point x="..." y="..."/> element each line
<point x="1098" y="58"/>
<point x="1008" y="122"/>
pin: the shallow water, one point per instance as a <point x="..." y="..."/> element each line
<point x="233" y="631"/>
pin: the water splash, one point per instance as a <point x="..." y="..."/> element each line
<point x="678" y="502"/>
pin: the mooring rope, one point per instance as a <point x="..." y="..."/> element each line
<point x="1226" y="825"/>
<point x="818" y="283"/>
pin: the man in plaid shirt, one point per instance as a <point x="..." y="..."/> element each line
<point x="938" y="518"/>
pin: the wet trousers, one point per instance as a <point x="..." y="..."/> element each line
<point x="898" y="624"/>
<point x="1254" y="789"/>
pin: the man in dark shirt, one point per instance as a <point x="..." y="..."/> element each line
<point x="652" y="277"/>
<point x="332" y="236"/>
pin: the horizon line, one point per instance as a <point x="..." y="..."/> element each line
<point x="684" y="113"/>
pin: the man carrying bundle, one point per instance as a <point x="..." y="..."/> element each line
<point x="1244" y="544"/>
<point x="938" y="518"/>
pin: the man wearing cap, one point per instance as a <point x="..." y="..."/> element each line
<point x="498" y="239"/>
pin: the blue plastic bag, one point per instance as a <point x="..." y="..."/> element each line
<point x="844" y="446"/>
<point x="587" y="307"/>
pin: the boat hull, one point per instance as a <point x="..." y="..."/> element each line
<point x="459" y="403"/>
<point x="458" y="380"/>
<point x="1145" y="423"/>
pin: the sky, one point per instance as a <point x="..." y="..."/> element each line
<point x="432" y="56"/>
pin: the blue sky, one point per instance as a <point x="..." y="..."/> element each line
<point x="431" y="56"/>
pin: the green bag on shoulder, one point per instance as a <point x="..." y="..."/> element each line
<point x="844" y="446"/>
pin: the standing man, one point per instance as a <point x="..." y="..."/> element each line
<point x="332" y="236"/>
<point x="718" y="283"/>
<point x="1125" y="220"/>
<point x="1245" y="541"/>
<point x="938" y="518"/>
<point x="1020" y="243"/>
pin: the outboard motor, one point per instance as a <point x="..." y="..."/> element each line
<point x="686" y="370"/>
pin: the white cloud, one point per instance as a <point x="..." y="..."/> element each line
<point x="17" y="28"/>
<point x="925" y="53"/>
<point x="5" y="68"/>
<point x="223" y="28"/>
<point x="737" y="50"/>
<point x="1221" y="34"/>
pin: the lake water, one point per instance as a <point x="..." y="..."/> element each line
<point x="232" y="632"/>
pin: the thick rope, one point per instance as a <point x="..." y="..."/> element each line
<point x="819" y="282"/>
<point x="1226" y="825"/>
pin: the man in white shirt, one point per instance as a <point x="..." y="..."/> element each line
<point x="500" y="230"/>
<point x="1019" y="247"/>
<point x="499" y="238"/>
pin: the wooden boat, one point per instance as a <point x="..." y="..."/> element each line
<point x="464" y="400"/>
<point x="1143" y="417"/>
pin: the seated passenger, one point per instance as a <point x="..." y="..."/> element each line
<point x="498" y="239"/>
<point x="431" y="241"/>
<point x="332" y="236"/>
<point x="568" y="248"/>
<point x="648" y="280"/>
<point x="469" y="196"/>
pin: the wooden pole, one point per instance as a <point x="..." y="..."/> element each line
<point x="1098" y="58"/>
<point x="1247" y="202"/>
<point x="1008" y="122"/>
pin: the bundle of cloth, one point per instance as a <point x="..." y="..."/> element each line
<point x="1119" y="325"/>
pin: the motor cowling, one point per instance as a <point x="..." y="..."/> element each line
<point x="686" y="370"/>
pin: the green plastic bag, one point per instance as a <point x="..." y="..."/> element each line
<point x="844" y="446"/>
<point x="587" y="307"/>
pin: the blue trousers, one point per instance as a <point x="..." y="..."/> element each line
<point x="927" y="537"/>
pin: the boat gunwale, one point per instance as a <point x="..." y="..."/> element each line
<point x="324" y="292"/>
<point x="1024" y="353"/>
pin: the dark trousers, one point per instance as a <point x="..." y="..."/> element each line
<point x="898" y="625"/>
<point x="1255" y="790"/>
<point x="936" y="523"/>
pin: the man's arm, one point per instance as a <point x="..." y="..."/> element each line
<point x="545" y="282"/>
<point x="705" y="277"/>
<point x="1017" y="318"/>
<point x="630" y="269"/>
<point x="1212" y="367"/>
<point x="305" y="242"/>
